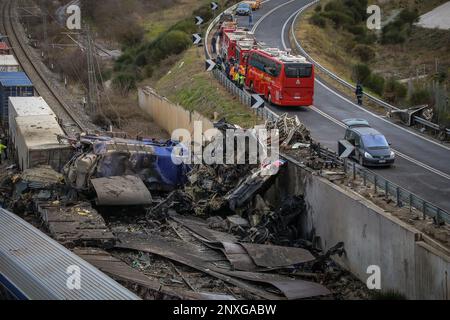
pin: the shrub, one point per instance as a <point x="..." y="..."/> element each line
<point x="420" y="96"/>
<point x="368" y="38"/>
<point x="125" y="58"/>
<point x="334" y="6"/>
<point x="354" y="9"/>
<point x="364" y="52"/>
<point x="155" y="55"/>
<point x="101" y="120"/>
<point x="408" y="16"/>
<point x="338" y="18"/>
<point x="148" y="71"/>
<point x="394" y="91"/>
<point x="376" y="83"/>
<point x="361" y="72"/>
<point x="205" y="12"/>
<point x="141" y="59"/>
<point x="393" y="36"/>
<point x="124" y="82"/>
<point x="441" y="76"/>
<point x="318" y="20"/>
<point x="174" y="42"/>
<point x="130" y="33"/>
<point x="318" y="8"/>
<point x="356" y="29"/>
<point x="186" y="25"/>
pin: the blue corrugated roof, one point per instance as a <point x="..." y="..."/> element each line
<point x="11" y="79"/>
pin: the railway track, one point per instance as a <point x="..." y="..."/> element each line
<point x="70" y="122"/>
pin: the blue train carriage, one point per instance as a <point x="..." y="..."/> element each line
<point x="13" y="84"/>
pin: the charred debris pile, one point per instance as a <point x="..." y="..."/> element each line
<point x="173" y="230"/>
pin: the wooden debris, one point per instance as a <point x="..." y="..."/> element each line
<point x="78" y="225"/>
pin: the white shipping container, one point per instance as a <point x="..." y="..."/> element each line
<point x="24" y="107"/>
<point x="37" y="143"/>
<point x="8" y="63"/>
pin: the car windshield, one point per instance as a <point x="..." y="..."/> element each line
<point x="298" y="70"/>
<point x="244" y="6"/>
<point x="375" y="141"/>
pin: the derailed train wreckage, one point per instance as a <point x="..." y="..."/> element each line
<point x="151" y="215"/>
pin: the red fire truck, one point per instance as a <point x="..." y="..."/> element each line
<point x="229" y="48"/>
<point x="243" y="48"/>
<point x="283" y="79"/>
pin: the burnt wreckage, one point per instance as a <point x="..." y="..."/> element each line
<point x="171" y="230"/>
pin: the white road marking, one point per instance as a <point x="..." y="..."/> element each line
<point x="383" y="119"/>
<point x="402" y="155"/>
<point x="268" y="14"/>
<point x="327" y="116"/>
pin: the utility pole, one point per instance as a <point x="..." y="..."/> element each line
<point x="44" y="29"/>
<point x="92" y="97"/>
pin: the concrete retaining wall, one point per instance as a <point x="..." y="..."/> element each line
<point x="168" y="115"/>
<point x="408" y="263"/>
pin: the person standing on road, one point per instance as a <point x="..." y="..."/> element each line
<point x="2" y="151"/>
<point x="232" y="71"/>
<point x="359" y="93"/>
<point x="236" y="75"/>
<point x="250" y="19"/>
<point x="241" y="81"/>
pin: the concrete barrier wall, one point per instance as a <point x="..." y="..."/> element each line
<point x="371" y="236"/>
<point x="433" y="267"/>
<point x="168" y="115"/>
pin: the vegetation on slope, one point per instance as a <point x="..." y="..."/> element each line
<point x="189" y="85"/>
<point x="335" y="33"/>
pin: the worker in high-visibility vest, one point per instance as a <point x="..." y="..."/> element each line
<point x="2" y="152"/>
<point x="241" y="81"/>
<point x="232" y="72"/>
<point x="236" y="77"/>
<point x="242" y="70"/>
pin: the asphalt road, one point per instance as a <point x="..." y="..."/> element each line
<point x="423" y="165"/>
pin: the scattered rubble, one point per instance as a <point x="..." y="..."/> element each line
<point x="292" y="133"/>
<point x="75" y="225"/>
<point x="183" y="232"/>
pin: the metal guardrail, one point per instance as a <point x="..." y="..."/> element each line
<point x="401" y="196"/>
<point x="349" y="85"/>
<point x="244" y="97"/>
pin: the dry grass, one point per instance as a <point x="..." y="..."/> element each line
<point x="332" y="48"/>
<point x="327" y="46"/>
<point x="127" y="117"/>
<point x="422" y="5"/>
<point x="159" y="21"/>
<point x="188" y="84"/>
